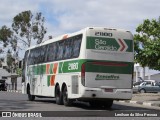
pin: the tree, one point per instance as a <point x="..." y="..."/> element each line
<point x="11" y="64"/>
<point x="147" y="44"/>
<point x="5" y="35"/>
<point x="5" y="39"/>
<point x="28" y="27"/>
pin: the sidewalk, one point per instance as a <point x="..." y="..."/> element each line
<point x="147" y="99"/>
<point x="18" y="91"/>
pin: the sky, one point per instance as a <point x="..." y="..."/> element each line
<point x="67" y="16"/>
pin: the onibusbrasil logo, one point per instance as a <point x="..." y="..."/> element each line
<point x="107" y="77"/>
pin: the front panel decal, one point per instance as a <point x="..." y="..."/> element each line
<point x="70" y="66"/>
<point x="109" y="44"/>
<point x="50" y="80"/>
<point x="51" y="68"/>
<point x="107" y="77"/>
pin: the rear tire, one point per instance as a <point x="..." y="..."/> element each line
<point x="66" y="101"/>
<point x="95" y="104"/>
<point x="100" y="104"/>
<point x="58" y="96"/>
<point x="108" y="103"/>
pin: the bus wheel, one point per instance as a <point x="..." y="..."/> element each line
<point x="30" y="97"/>
<point x="108" y="103"/>
<point x="58" y="96"/>
<point x="95" y="104"/>
<point x="66" y="101"/>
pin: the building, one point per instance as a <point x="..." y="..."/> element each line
<point x="154" y="77"/>
<point x="11" y="79"/>
<point x="145" y="73"/>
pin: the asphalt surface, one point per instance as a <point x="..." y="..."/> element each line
<point x="17" y="101"/>
<point x="146" y="99"/>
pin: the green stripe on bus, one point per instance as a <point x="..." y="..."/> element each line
<point x="109" y="67"/>
<point x="48" y="80"/>
<point x="39" y="69"/>
<point x="99" y="66"/>
<point x="129" y="44"/>
<point x="70" y="66"/>
<point x="51" y="68"/>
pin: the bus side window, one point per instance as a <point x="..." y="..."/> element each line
<point x="76" y="47"/>
<point x="47" y="53"/>
<point x="60" y="50"/>
<point x="35" y="56"/>
<point x="25" y="63"/>
<point x="36" y="61"/>
<point x="53" y="51"/>
<point x="30" y="58"/>
<point x="43" y="51"/>
<point x="67" y="48"/>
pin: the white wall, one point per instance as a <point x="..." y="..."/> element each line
<point x="154" y="77"/>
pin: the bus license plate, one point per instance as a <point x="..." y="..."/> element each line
<point x="108" y="89"/>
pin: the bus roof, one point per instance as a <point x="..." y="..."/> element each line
<point x="61" y="37"/>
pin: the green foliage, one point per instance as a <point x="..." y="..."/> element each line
<point x="25" y="25"/>
<point x="5" y="35"/>
<point x="19" y="71"/>
<point x="10" y="61"/>
<point x="147" y="44"/>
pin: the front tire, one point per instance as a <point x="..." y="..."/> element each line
<point x="30" y="97"/>
<point x="66" y="101"/>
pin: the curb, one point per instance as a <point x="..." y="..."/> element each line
<point x="145" y="103"/>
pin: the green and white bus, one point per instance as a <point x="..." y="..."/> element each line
<point x="94" y="65"/>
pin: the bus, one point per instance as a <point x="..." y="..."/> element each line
<point x="93" y="65"/>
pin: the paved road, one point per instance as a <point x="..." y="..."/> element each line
<point x="10" y="101"/>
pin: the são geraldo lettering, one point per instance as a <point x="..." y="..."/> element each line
<point x="102" y="45"/>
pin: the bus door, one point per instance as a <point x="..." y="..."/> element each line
<point x="36" y="81"/>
